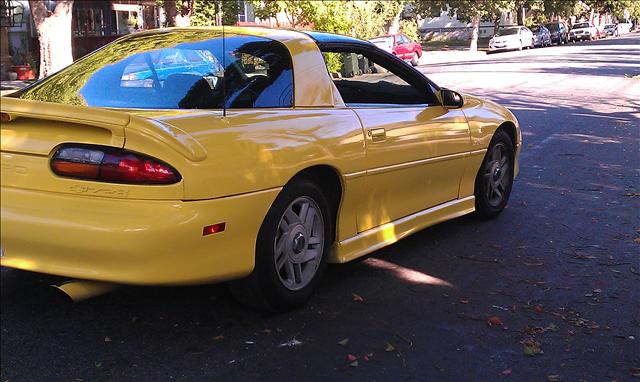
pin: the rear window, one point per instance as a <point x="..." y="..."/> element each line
<point x="176" y="70"/>
<point x="551" y="27"/>
<point x="505" y="32"/>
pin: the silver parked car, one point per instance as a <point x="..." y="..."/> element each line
<point x="512" y="38"/>
<point x="541" y="36"/>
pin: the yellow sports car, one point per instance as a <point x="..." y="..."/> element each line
<point x="194" y="155"/>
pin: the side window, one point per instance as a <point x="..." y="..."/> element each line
<point x="362" y="81"/>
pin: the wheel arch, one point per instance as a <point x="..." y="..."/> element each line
<point x="510" y="128"/>
<point x="330" y="182"/>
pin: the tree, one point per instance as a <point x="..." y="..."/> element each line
<point x="468" y="10"/>
<point x="178" y="12"/>
<point x="54" y="34"/>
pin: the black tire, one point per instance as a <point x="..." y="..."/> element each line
<point x="488" y="206"/>
<point x="264" y="289"/>
<point x="415" y="59"/>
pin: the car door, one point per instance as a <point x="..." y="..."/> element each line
<point x="402" y="47"/>
<point x="416" y="150"/>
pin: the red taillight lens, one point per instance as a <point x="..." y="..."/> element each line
<point x="107" y="164"/>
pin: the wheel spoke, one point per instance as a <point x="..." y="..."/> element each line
<point x="503" y="161"/>
<point x="297" y="269"/>
<point x="304" y="209"/>
<point x="314" y="240"/>
<point x="283" y="227"/>
<point x="309" y="255"/>
<point x="308" y="222"/>
<point x="291" y="216"/>
<point x="497" y="192"/>
<point x="280" y="262"/>
<point x="290" y="273"/>
<point x="496" y="154"/>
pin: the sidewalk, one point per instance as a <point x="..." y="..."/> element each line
<point x="8" y="87"/>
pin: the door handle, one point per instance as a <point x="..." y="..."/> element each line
<point x="377" y="135"/>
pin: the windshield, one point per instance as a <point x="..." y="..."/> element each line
<point x="535" y="28"/>
<point x="551" y="27"/>
<point x="581" y="25"/>
<point x="507" y="31"/>
<point x="175" y="70"/>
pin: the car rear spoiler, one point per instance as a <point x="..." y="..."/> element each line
<point x="116" y="121"/>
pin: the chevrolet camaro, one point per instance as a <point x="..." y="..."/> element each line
<point x="197" y="155"/>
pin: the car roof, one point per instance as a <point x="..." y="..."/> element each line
<point x="332" y="38"/>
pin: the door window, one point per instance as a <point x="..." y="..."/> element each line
<point x="363" y="80"/>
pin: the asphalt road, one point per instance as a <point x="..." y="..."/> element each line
<point x="559" y="270"/>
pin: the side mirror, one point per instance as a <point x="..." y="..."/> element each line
<point x="451" y="99"/>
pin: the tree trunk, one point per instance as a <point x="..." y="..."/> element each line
<point x="496" y="23"/>
<point x="54" y="35"/>
<point x="475" y="31"/>
<point x="394" y="26"/>
<point x="171" y="12"/>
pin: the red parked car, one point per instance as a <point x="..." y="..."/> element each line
<point x="401" y="46"/>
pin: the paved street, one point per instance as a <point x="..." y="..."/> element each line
<point x="557" y="274"/>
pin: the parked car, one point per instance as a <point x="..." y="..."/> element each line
<point x="541" y="36"/>
<point x="583" y="31"/>
<point x="262" y="176"/>
<point x="559" y="32"/>
<point x="401" y="46"/>
<point x="511" y="38"/>
<point x="611" y="30"/>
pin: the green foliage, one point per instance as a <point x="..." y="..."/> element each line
<point x="334" y="62"/>
<point x="362" y="19"/>
<point x="204" y="12"/>
<point x="410" y="28"/>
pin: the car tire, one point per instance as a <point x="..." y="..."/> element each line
<point x="286" y="272"/>
<point x="415" y="59"/>
<point x="495" y="178"/>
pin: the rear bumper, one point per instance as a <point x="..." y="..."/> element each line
<point x="131" y="241"/>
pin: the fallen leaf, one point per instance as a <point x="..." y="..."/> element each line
<point x="389" y="348"/>
<point x="351" y="357"/>
<point x="107" y="339"/>
<point x="343" y="342"/>
<point x="494" y="321"/>
<point x="506" y="371"/>
<point x="98" y="364"/>
<point x="267" y="331"/>
<point x="538" y="309"/>
<point x="597" y="291"/>
<point x="464" y="301"/>
<point x="366" y="358"/>
<point x="218" y="338"/>
<point x="354" y="364"/>
<point x="531" y="348"/>
<point x="290" y="344"/>
<point x="554" y="378"/>
<point x="357" y="297"/>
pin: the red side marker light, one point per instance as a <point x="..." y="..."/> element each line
<point x="215" y="228"/>
<point x="5" y="117"/>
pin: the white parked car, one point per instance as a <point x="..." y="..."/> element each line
<point x="512" y="38"/>
<point x="583" y="31"/>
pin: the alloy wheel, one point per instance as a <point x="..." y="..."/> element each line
<point x="298" y="246"/>
<point x="497" y="175"/>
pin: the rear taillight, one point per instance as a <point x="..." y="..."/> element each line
<point x="106" y="164"/>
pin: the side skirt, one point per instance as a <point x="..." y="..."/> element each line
<point x="381" y="236"/>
